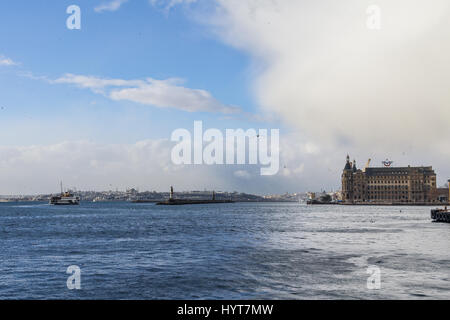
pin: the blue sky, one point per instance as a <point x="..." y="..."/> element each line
<point x="136" y="42"/>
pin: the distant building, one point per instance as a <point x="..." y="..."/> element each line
<point x="442" y="195"/>
<point x="388" y="185"/>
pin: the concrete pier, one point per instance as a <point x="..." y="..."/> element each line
<point x="178" y="202"/>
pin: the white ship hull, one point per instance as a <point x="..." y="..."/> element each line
<point x="65" y="201"/>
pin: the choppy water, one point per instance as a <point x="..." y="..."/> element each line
<point x="230" y="251"/>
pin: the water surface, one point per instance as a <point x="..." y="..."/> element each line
<point x="227" y="251"/>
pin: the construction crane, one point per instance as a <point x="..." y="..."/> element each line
<point x="367" y="165"/>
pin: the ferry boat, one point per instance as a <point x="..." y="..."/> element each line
<point x="440" y="215"/>
<point x="65" y="199"/>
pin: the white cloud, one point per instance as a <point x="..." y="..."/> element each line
<point x="159" y="93"/>
<point x="4" y="61"/>
<point x="243" y="174"/>
<point x="96" y="166"/>
<point x="168" y="4"/>
<point x="86" y="165"/>
<point x="110" y="5"/>
<point x="325" y="73"/>
<point x="148" y="166"/>
<point x="167" y="94"/>
<point x="145" y="164"/>
<point x="96" y="84"/>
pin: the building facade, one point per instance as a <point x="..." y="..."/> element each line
<point x="442" y="195"/>
<point x="388" y="185"/>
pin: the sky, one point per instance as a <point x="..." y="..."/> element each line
<point x="96" y="107"/>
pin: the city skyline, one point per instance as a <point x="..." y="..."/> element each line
<point x="96" y="107"/>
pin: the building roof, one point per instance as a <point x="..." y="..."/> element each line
<point x="398" y="171"/>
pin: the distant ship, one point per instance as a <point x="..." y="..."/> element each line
<point x="65" y="199"/>
<point x="177" y="202"/>
<point x="440" y="215"/>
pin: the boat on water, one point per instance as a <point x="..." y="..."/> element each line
<point x="178" y="202"/>
<point x="440" y="215"/>
<point x="65" y="199"/>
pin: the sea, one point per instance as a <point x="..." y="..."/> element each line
<point x="122" y="250"/>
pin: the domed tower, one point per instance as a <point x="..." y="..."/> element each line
<point x="347" y="181"/>
<point x="348" y="165"/>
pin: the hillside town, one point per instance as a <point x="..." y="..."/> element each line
<point x="154" y="196"/>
